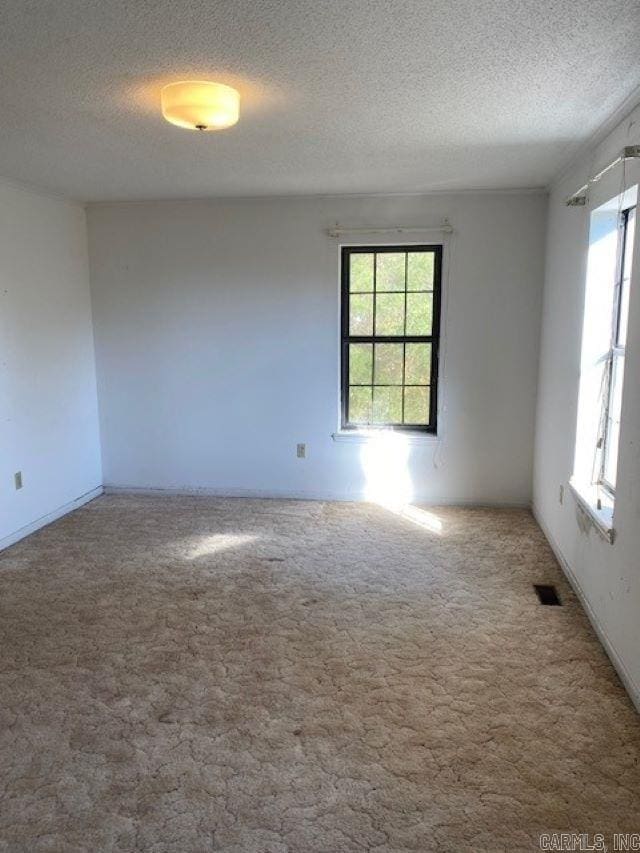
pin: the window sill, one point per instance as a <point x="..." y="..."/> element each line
<point x="587" y="498"/>
<point x="366" y="436"/>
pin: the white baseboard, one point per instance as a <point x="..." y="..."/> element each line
<point x="17" y="535"/>
<point x="292" y="494"/>
<point x="627" y="680"/>
<point x="197" y="491"/>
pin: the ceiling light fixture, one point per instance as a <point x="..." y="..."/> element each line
<point x="198" y="105"/>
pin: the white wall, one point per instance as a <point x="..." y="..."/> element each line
<point x="48" y="407"/>
<point x="607" y="576"/>
<point x="217" y="345"/>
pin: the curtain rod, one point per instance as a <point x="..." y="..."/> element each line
<point x="338" y="230"/>
<point x="579" y="197"/>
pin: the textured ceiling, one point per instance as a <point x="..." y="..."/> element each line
<point x="339" y="96"/>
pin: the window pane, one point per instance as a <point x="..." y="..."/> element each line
<point x="626" y="279"/>
<point x="416" y="406"/>
<point x="388" y="364"/>
<point x="387" y="405"/>
<point x="417" y="364"/>
<point x="624" y="314"/>
<point x="390" y="271"/>
<point x="419" y="313"/>
<point x="359" y="405"/>
<point x="361" y="271"/>
<point x="390" y="314"/>
<point x="420" y="271"/>
<point x="361" y="314"/>
<point x="613" y="421"/>
<point x="360" y="364"/>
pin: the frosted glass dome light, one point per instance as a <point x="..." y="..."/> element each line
<point x="198" y="105"/>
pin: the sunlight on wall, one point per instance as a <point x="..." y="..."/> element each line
<point x="596" y="337"/>
<point x="384" y="459"/>
<point x="219" y="542"/>
<point x="385" y="462"/>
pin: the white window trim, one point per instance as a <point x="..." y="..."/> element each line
<point x="357" y="436"/>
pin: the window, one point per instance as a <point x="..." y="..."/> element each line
<point x="604" y="337"/>
<point x="390" y="336"/>
<point x="615" y="362"/>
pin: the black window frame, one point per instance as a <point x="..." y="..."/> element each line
<point x="433" y="338"/>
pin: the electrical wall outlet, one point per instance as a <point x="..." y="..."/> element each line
<point x="17" y="479"/>
<point x="561" y="494"/>
<point x="301" y="451"/>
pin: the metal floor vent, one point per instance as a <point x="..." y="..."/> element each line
<point x="547" y="594"/>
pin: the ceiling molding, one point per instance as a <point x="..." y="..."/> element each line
<point x="617" y="117"/>
<point x="318" y="196"/>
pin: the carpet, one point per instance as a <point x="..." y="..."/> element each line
<point x="182" y="675"/>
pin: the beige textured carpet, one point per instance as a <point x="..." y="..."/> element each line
<point x="190" y="674"/>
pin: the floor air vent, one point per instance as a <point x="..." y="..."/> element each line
<point x="547" y="594"/>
